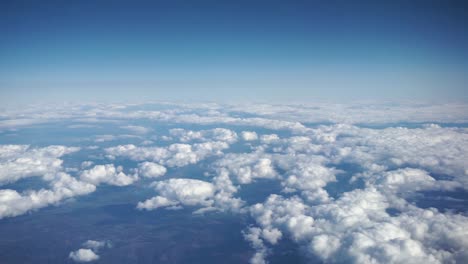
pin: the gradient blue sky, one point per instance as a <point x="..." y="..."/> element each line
<point x="233" y="50"/>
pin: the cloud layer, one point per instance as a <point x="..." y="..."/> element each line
<point x="347" y="178"/>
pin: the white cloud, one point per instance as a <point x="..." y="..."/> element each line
<point x="90" y="250"/>
<point x="175" y="155"/>
<point x="174" y="193"/>
<point x="306" y="173"/>
<point x="86" y="164"/>
<point x="95" y="244"/>
<point x="252" y="235"/>
<point x="62" y="185"/>
<point x="151" y="169"/>
<point x="107" y="174"/>
<point x="249" y="135"/>
<point x="137" y="129"/>
<point x="353" y="226"/>
<point x="157" y="202"/>
<point x="186" y="191"/>
<point x="105" y="138"/>
<point x="225" y="190"/>
<point x="247" y="166"/>
<point x="216" y="134"/>
<point x="21" y="161"/>
<point x="267" y="139"/>
<point x="83" y="255"/>
<point x="434" y="149"/>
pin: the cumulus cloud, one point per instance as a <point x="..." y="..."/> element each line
<point x="62" y="185"/>
<point x="434" y="149"/>
<point x="216" y="134"/>
<point x="107" y="174"/>
<point x="157" y="202"/>
<point x="249" y="135"/>
<point x="187" y="192"/>
<point x="175" y="193"/>
<point x="89" y="252"/>
<point x="21" y="161"/>
<point x="357" y="228"/>
<point x="96" y="245"/>
<point x="375" y="172"/>
<point x="83" y="255"/>
<point x="174" y="155"/>
<point x="248" y="166"/>
<point x="151" y="169"/>
<point x="86" y="164"/>
<point x="269" y="138"/>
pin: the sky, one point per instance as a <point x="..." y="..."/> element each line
<point x="269" y="51"/>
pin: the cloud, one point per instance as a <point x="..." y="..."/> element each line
<point x="374" y="173"/>
<point x="89" y="252"/>
<point x="249" y="135"/>
<point x="107" y="174"/>
<point x="247" y="166"/>
<point x="105" y="138"/>
<point x="62" y="186"/>
<point x="252" y="235"/>
<point x="174" y="155"/>
<point x="137" y="129"/>
<point x="188" y="192"/>
<point x="86" y="164"/>
<point x="151" y="169"/>
<point x="357" y="228"/>
<point x="157" y="202"/>
<point x="175" y="193"/>
<point x="216" y="134"/>
<point x="432" y="148"/>
<point x="21" y="161"/>
<point x="83" y="255"/>
<point x="96" y="245"/>
<point x="267" y="139"/>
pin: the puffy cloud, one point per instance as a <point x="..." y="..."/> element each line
<point x="175" y="155"/>
<point x="180" y="191"/>
<point x="275" y="214"/>
<point x="253" y="236"/>
<point x="62" y="185"/>
<point x="216" y="134"/>
<point x="151" y="169"/>
<point x="368" y="234"/>
<point x="307" y="174"/>
<point x="267" y="139"/>
<point x="89" y="252"/>
<point x="157" y="202"/>
<point x="96" y="245"/>
<point x="225" y="190"/>
<point x="83" y="255"/>
<point x="247" y="166"/>
<point x="107" y="174"/>
<point x="249" y="135"/>
<point x="435" y="149"/>
<point x="20" y="161"/>
<point x="354" y="226"/>
<point x="86" y="164"/>
<point x="175" y="193"/>
<point x="186" y="191"/>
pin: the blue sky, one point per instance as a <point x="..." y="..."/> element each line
<point x="232" y="50"/>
